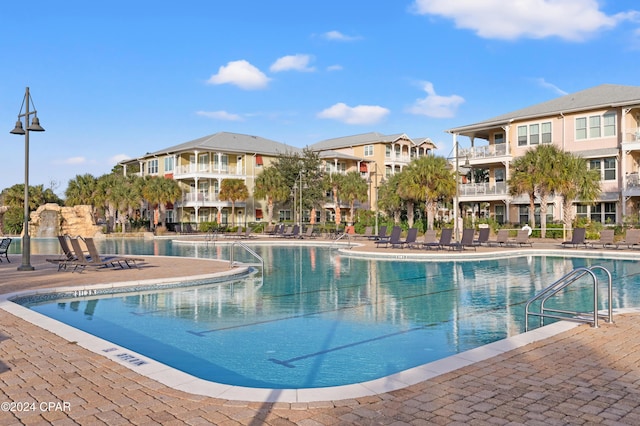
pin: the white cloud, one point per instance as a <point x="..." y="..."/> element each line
<point x="543" y="83"/>
<point x="242" y="74"/>
<point x="220" y="115"/>
<point x="338" y="36"/>
<point x="74" y="160"/>
<point x="361" y="114"/>
<point x="334" y="67"/>
<point x="568" y="19"/>
<point x="434" y="105"/>
<point x="118" y="158"/>
<point x="293" y="63"/>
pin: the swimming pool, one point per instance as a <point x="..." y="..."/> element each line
<point x="321" y="319"/>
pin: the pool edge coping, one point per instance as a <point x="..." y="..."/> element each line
<point x="185" y="382"/>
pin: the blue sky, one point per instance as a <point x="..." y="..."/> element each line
<point x="114" y="80"/>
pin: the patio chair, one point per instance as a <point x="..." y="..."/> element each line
<point x="632" y="238"/>
<point x="429" y="237"/>
<point x="577" y="239"/>
<point x="522" y="239"/>
<point x="412" y="235"/>
<point x="382" y="234"/>
<point x="483" y="236"/>
<point x="502" y="238"/>
<point x="295" y="232"/>
<point x="368" y="233"/>
<point x="607" y="239"/>
<point x="109" y="260"/>
<point x="465" y="241"/>
<point x="308" y="233"/>
<point x="394" y="238"/>
<point x="445" y="240"/>
<point x="284" y="232"/>
<point x="66" y="256"/>
<point x="4" y="249"/>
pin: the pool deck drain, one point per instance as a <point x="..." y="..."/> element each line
<point x="579" y="376"/>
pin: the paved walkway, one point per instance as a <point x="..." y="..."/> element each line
<point x="583" y="376"/>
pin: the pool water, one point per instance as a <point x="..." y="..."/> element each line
<point x="318" y="318"/>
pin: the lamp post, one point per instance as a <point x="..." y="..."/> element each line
<point x="19" y="130"/>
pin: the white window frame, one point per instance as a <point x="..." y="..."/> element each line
<point x="596" y="126"/>
<point x="169" y="164"/>
<point x="368" y="150"/>
<point x="152" y="166"/>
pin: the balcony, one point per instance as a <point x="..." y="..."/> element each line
<point x="632" y="185"/>
<point x="631" y="140"/>
<point x="483" y="189"/>
<point x="193" y="170"/>
<point x="193" y="199"/>
<point x="483" y="152"/>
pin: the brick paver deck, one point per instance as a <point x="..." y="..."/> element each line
<point x="583" y="376"/>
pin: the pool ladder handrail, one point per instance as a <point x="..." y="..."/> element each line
<point x="249" y="250"/>
<point x="576" y="316"/>
<point x="341" y="236"/>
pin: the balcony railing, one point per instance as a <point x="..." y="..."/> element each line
<point x="632" y="181"/>
<point x="199" y="169"/>
<point x="472" y="189"/>
<point x="488" y="151"/>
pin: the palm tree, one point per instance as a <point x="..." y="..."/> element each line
<point x="388" y="199"/>
<point x="333" y="182"/>
<point x="576" y="181"/>
<point x="523" y="180"/>
<point x="81" y="190"/>
<point x="233" y="190"/>
<point x="406" y="192"/>
<point x="271" y="186"/>
<point x="428" y="179"/>
<point x="158" y="191"/>
<point x="354" y="188"/>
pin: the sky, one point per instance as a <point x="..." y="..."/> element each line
<point x="115" y="80"/>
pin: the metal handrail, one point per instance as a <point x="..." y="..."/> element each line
<point x="344" y="234"/>
<point x="576" y="316"/>
<point x="249" y="250"/>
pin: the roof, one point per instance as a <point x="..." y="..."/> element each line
<point x="603" y="96"/>
<point x="230" y="142"/>
<point x="329" y="154"/>
<point x="357" y="140"/>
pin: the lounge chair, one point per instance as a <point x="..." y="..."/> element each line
<point x="632" y="238"/>
<point x="4" y="249"/>
<point x="502" y="238"/>
<point x="522" y="239"/>
<point x="607" y="239"/>
<point x="295" y="232"/>
<point x="67" y="255"/>
<point x="483" y="236"/>
<point x="368" y="233"/>
<point x="445" y="240"/>
<point x="394" y="238"/>
<point x="412" y="235"/>
<point x="112" y="260"/>
<point x="382" y="234"/>
<point x="429" y="237"/>
<point x="466" y="241"/>
<point x="577" y="239"/>
<point x="284" y="232"/>
<point x="308" y="233"/>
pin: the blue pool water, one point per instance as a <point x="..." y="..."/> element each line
<point x="318" y="318"/>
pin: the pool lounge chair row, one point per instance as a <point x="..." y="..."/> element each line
<point x="432" y="242"/>
<point x="607" y="239"/>
<point x="77" y="258"/>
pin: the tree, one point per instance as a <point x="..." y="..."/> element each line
<point x="333" y="183"/>
<point x="271" y="186"/>
<point x="81" y="190"/>
<point x="388" y="199"/>
<point x="524" y="181"/>
<point x="428" y="179"/>
<point x="577" y="182"/>
<point x="354" y="188"/>
<point x="233" y="190"/>
<point x="159" y="191"/>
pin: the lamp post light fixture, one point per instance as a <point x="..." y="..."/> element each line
<point x="20" y="130"/>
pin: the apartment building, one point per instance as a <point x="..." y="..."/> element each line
<point x="200" y="165"/>
<point x="600" y="124"/>
<point x="374" y="155"/>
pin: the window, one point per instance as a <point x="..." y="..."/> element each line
<point x="609" y="125"/>
<point x="606" y="167"/>
<point x="152" y="167"/>
<point x="500" y="214"/>
<point x="498" y="138"/>
<point x="203" y="162"/>
<point x="522" y="135"/>
<point x="596" y="126"/>
<point x="368" y="150"/>
<point x="499" y="175"/>
<point x="387" y="151"/>
<point x="534" y="134"/>
<point x="581" y="128"/>
<point x="285" y="215"/>
<point x="168" y="164"/>
<point x="546" y="132"/>
<point x="601" y="212"/>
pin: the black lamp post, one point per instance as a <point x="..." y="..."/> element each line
<point x="20" y="130"/>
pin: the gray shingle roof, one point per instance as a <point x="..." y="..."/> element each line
<point x="355" y="140"/>
<point x="231" y="142"/>
<point x="603" y="96"/>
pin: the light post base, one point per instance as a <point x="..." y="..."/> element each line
<point x="25" y="268"/>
